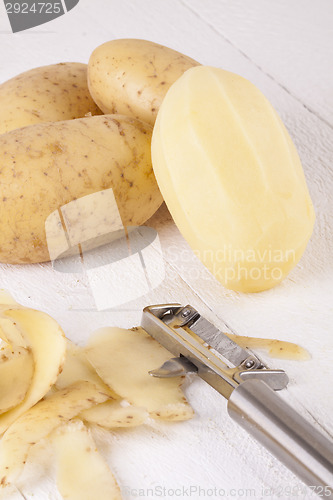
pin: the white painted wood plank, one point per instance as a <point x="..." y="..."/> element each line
<point x="290" y="40"/>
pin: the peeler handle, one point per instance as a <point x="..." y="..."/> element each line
<point x="285" y="433"/>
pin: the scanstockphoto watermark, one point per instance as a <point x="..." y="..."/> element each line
<point x="236" y="264"/>
<point x="194" y="491"/>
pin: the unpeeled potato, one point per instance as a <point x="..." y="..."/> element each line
<point x="131" y="76"/>
<point x="46" y="94"/>
<point x="69" y="182"/>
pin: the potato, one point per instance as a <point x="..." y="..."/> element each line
<point x="16" y="372"/>
<point x="234" y="183"/>
<point x="131" y="76"/>
<point x="47" y="94"/>
<point x="48" y="346"/>
<point x="47" y="166"/>
<point x="82" y="474"/>
<point x="40" y="421"/>
<point x="123" y="358"/>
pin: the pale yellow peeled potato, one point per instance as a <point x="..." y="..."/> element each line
<point x="232" y="179"/>
<point x="123" y="359"/>
<point x="46" y="94"/>
<point x="131" y="76"/>
<point x="70" y="182"/>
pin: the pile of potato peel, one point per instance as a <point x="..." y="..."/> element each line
<point x="71" y="388"/>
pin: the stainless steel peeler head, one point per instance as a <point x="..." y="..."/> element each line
<point x="198" y="346"/>
<point x="247" y="383"/>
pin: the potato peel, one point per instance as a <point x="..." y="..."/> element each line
<point x="275" y="348"/>
<point x="11" y="334"/>
<point x="123" y="358"/>
<point x="82" y="472"/>
<point x="48" y="346"/>
<point x="16" y="372"/>
<point x="112" y="414"/>
<point x="39" y="421"/>
<point x="49" y="381"/>
<point x="6" y="298"/>
<point x="78" y="368"/>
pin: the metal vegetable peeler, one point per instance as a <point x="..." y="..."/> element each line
<point x="249" y="385"/>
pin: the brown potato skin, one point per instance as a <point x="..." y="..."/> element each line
<point x="47" y="94"/>
<point x="131" y="76"/>
<point x="45" y="166"/>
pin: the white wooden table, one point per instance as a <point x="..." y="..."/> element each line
<point x="284" y="48"/>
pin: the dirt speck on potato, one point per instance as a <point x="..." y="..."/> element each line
<point x="130" y="76"/>
<point x="46" y="94"/>
<point x="47" y="166"/>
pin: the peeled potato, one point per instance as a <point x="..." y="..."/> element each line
<point x="232" y="179"/>
<point x="46" y="94"/>
<point x="112" y="414"/>
<point x="39" y="421"/>
<point x="16" y="372"/>
<point x="48" y="346"/>
<point x="82" y="474"/>
<point x="123" y="358"/>
<point x="131" y="76"/>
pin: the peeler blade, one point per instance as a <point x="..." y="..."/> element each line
<point x="223" y="345"/>
<point x="219" y="341"/>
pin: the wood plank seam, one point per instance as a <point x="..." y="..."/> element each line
<point x="260" y="68"/>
